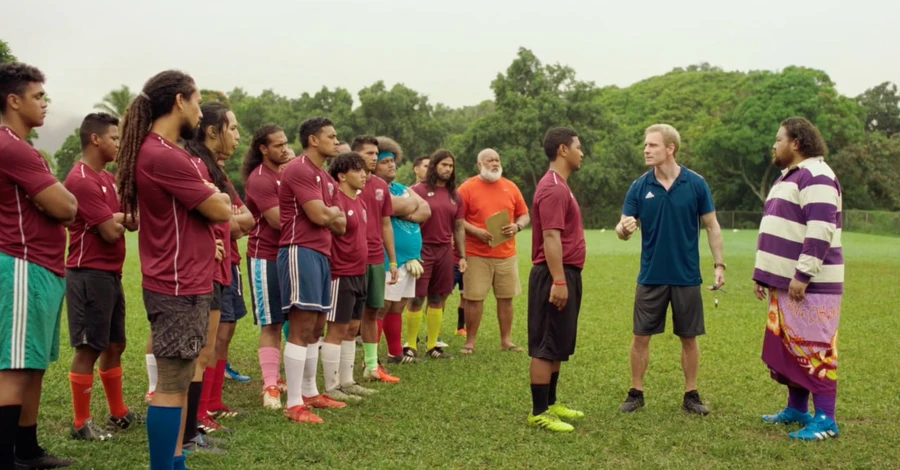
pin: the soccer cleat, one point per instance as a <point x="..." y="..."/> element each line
<point x="272" y="398"/>
<point x="282" y="385"/>
<point x="42" y="460"/>
<point x="386" y="376"/>
<point x="223" y="413"/>
<point x="408" y="351"/>
<point x="322" y="401"/>
<point x="301" y="414"/>
<point x="788" y="416"/>
<point x="441" y="344"/>
<point x="90" y="432"/>
<point x="549" y="422"/>
<point x="403" y="359"/>
<point x="358" y="390"/>
<point x="633" y="402"/>
<point x="148" y="396"/>
<point x="209" y="425"/>
<point x="216" y="441"/>
<point x="200" y="444"/>
<point x="562" y="411"/>
<point x="340" y="395"/>
<point x="437" y="353"/>
<point x="235" y="375"/>
<point x="692" y="404"/>
<point x="378" y="374"/>
<point x="819" y="428"/>
<point x="120" y="424"/>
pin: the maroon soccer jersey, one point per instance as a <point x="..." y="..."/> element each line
<point x="261" y="191"/>
<point x="345" y="249"/>
<point x="25" y="232"/>
<point x="223" y="269"/>
<point x="235" y="201"/>
<point x="377" y="198"/>
<point x="97" y="202"/>
<point x="301" y="182"/>
<point x="555" y="208"/>
<point x="444" y="213"/>
<point x="175" y="242"/>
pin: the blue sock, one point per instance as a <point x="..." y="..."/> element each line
<point x="179" y="463"/>
<point x="163" y="424"/>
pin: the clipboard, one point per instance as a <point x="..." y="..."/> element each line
<point x="494" y="225"/>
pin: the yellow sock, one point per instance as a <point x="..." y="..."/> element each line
<point x="433" y="318"/>
<point x="413" y="322"/>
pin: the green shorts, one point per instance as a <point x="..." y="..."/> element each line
<point x="30" y="308"/>
<point x="375" y="285"/>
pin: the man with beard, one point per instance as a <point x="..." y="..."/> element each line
<point x="32" y="261"/>
<point x="178" y="206"/>
<point x="800" y="265"/>
<point x="669" y="200"/>
<point x="554" y="285"/>
<point x="309" y="217"/>
<point x="491" y="265"/>
<point x="446" y="222"/>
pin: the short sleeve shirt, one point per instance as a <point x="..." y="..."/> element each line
<point x="97" y="203"/>
<point x="445" y="211"/>
<point x="345" y="249"/>
<point x="377" y="198"/>
<point x="481" y="200"/>
<point x="301" y="182"/>
<point x="261" y="191"/>
<point x="555" y="208"/>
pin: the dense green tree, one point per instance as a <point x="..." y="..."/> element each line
<point x="116" y="102"/>
<point x="67" y="155"/>
<point x="882" y="106"/>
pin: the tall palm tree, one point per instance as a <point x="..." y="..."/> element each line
<point x="116" y="102"/>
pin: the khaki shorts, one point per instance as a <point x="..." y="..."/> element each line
<point x="484" y="273"/>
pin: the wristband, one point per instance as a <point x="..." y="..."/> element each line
<point x="392" y="264"/>
<point x="560" y="283"/>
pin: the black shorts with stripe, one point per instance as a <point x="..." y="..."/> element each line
<point x="348" y="299"/>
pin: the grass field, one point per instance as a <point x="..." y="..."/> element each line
<point x="469" y="412"/>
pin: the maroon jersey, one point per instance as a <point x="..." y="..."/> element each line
<point x="377" y="198"/>
<point x="444" y="213"/>
<point x="555" y="208"/>
<point x="97" y="202"/>
<point x="301" y="182"/>
<point x="345" y="249"/>
<point x="261" y="192"/>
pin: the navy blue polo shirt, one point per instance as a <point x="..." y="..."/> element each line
<point x="670" y="227"/>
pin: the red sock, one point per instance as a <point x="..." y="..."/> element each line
<point x="81" y="396"/>
<point x="112" y="384"/>
<point x="206" y="391"/>
<point x="215" y="400"/>
<point x="380" y="322"/>
<point x="393" y="324"/>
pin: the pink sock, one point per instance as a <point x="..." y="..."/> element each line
<point x="393" y="324"/>
<point x="380" y="322"/>
<point x="269" y="362"/>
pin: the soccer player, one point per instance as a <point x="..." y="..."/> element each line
<point x="309" y="217"/>
<point x="669" y="200"/>
<point x="261" y="170"/>
<point x="379" y="241"/>
<point x="349" y="274"/>
<point x="554" y="285"/>
<point x="446" y="221"/>
<point x="410" y="210"/>
<point x="491" y="266"/>
<point x="217" y="135"/>
<point x="344" y="147"/>
<point x="800" y="265"/>
<point x="32" y="261"/>
<point x="420" y="167"/>
<point x="94" y="297"/>
<point x="179" y="207"/>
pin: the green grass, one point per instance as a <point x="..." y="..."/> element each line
<point x="469" y="412"/>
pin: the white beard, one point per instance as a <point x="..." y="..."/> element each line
<point x="491" y="176"/>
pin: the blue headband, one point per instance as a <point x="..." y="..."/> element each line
<point x="385" y="154"/>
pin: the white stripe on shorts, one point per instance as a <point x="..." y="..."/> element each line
<point x="19" y="313"/>
<point x="332" y="312"/>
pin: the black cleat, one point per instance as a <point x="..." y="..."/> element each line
<point x="692" y="404"/>
<point x="633" y="402"/>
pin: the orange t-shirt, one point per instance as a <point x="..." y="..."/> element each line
<point x="482" y="200"/>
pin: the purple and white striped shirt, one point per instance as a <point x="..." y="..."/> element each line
<point x="800" y="232"/>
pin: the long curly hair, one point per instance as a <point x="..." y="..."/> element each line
<point x="215" y="114"/>
<point x="254" y="157"/>
<point x="431" y="175"/>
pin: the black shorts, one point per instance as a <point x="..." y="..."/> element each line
<point x="233" y="308"/>
<point x="552" y="332"/>
<point x="215" y="303"/>
<point x="95" y="305"/>
<point x="177" y="323"/>
<point x="348" y="299"/>
<point x="457" y="278"/>
<point x="652" y="302"/>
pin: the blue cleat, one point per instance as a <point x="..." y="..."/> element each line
<point x="235" y="375"/>
<point x="788" y="416"/>
<point x="820" y="428"/>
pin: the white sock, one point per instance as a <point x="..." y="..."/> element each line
<point x="348" y="354"/>
<point x="151" y="371"/>
<point x="294" y="362"/>
<point x="331" y="363"/>
<point x="309" y="371"/>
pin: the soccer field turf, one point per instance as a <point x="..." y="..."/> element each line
<point x="469" y="412"/>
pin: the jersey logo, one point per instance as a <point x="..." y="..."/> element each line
<point x="330" y="189"/>
<point x="649" y="195"/>
<point x="379" y="194"/>
<point x="104" y="189"/>
<point x="278" y="182"/>
<point x="318" y="179"/>
<point x="350" y="213"/>
<point x="431" y="194"/>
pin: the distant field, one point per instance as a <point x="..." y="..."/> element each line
<point x="469" y="412"/>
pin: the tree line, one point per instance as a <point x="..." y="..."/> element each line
<point x="727" y="121"/>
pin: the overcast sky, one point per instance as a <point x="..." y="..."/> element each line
<point x="448" y="50"/>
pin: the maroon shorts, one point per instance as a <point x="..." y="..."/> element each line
<point x="437" y="277"/>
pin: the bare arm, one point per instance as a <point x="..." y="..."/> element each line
<point x="387" y="234"/>
<point x="320" y="214"/>
<point x="423" y="211"/>
<point x="216" y="208"/>
<point x="459" y="234"/>
<point x="553" y="253"/>
<point x="273" y="217"/>
<point x="714" y="236"/>
<point x="111" y="230"/>
<point x="626" y="226"/>
<point x="404" y="206"/>
<point x="523" y="220"/>
<point x="244" y="219"/>
<point x="57" y="202"/>
<point x="471" y="229"/>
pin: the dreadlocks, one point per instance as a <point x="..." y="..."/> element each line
<point x="431" y="176"/>
<point x="215" y="114"/>
<point x="155" y="100"/>
<point x="254" y="157"/>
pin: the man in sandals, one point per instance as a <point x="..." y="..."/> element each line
<point x="491" y="264"/>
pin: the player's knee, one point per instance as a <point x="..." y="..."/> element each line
<point x="435" y="300"/>
<point x="416" y="303"/>
<point x="174" y="374"/>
